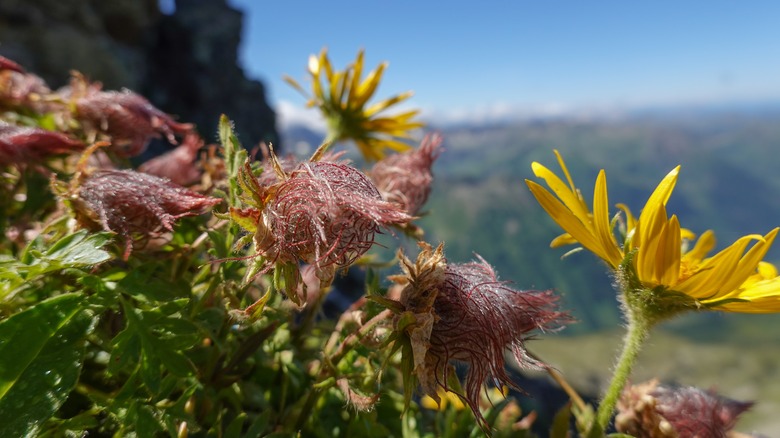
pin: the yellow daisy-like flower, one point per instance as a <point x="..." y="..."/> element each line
<point x="735" y="279"/>
<point x="343" y="97"/>
<point x="445" y="398"/>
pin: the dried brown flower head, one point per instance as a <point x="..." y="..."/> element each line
<point x="178" y="165"/>
<point x="26" y="145"/>
<point x="465" y="315"/>
<point x="134" y="205"/>
<point x="650" y="410"/>
<point x="406" y="178"/>
<point x="325" y="214"/>
<point x="128" y="119"/>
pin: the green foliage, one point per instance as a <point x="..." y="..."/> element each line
<point x="42" y="350"/>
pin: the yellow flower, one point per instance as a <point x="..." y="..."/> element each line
<point x="446" y="397"/>
<point x="735" y="279"/>
<point x="342" y="96"/>
<point x="591" y="228"/>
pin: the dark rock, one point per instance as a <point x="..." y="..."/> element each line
<point x="185" y="63"/>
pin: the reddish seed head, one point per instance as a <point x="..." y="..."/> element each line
<point x="7" y="64"/>
<point x="19" y="88"/>
<point x="325" y="214"/>
<point x="406" y="178"/>
<point x="128" y="118"/>
<point x="135" y="205"/>
<point x="26" y="145"/>
<point x="470" y="317"/>
<point x="177" y="165"/>
<point x="650" y="410"/>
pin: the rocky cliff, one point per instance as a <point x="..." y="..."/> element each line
<point x="186" y="63"/>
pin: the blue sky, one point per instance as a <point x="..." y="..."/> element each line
<point x="468" y="60"/>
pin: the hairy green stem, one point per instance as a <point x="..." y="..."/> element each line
<point x="638" y="330"/>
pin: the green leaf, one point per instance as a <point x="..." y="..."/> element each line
<point x="154" y="346"/>
<point x="41" y="352"/>
<point x="235" y="155"/>
<point x="78" y="250"/>
<point x="259" y="425"/>
<point x="561" y="421"/>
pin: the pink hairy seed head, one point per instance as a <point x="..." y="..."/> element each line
<point x="178" y="165"/>
<point x="128" y="118"/>
<point x="406" y="178"/>
<point x="466" y="315"/>
<point x="135" y="205"/>
<point x="325" y="214"/>
<point x="651" y="410"/>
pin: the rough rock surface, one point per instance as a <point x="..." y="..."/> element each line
<point x="186" y="63"/>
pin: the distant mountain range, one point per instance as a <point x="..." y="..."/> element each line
<point x="729" y="182"/>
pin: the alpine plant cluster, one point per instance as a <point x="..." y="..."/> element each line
<point x="297" y="223"/>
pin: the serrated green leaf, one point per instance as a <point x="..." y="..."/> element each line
<point x="144" y="285"/>
<point x="79" y="249"/>
<point x="155" y="346"/>
<point x="41" y="353"/>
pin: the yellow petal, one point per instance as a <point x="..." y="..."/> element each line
<point x="749" y="262"/>
<point x="566" y="219"/>
<point x="657" y="199"/>
<point x="704" y="245"/>
<point x="649" y="239"/>
<point x="707" y="281"/>
<point x="562" y="191"/>
<point x="565" y="170"/>
<point x="314" y="65"/>
<point x="563" y="240"/>
<point x="630" y="219"/>
<point x="668" y="259"/>
<point x="602" y="222"/>
<point x="761" y="297"/>
<point x="767" y="270"/>
<point x="295" y="85"/>
<point x="357" y="72"/>
<point x="367" y="88"/>
<point x="384" y="104"/>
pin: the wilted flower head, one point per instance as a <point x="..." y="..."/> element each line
<point x="650" y="410"/>
<point x="652" y="254"/>
<point x="462" y="313"/>
<point x="27" y="145"/>
<point x="322" y="213"/>
<point x="127" y="118"/>
<point x="177" y="165"/>
<point x="342" y="97"/>
<point x="406" y="178"/>
<point x="19" y="88"/>
<point x="134" y="205"/>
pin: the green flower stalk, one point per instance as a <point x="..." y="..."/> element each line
<point x="659" y="276"/>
